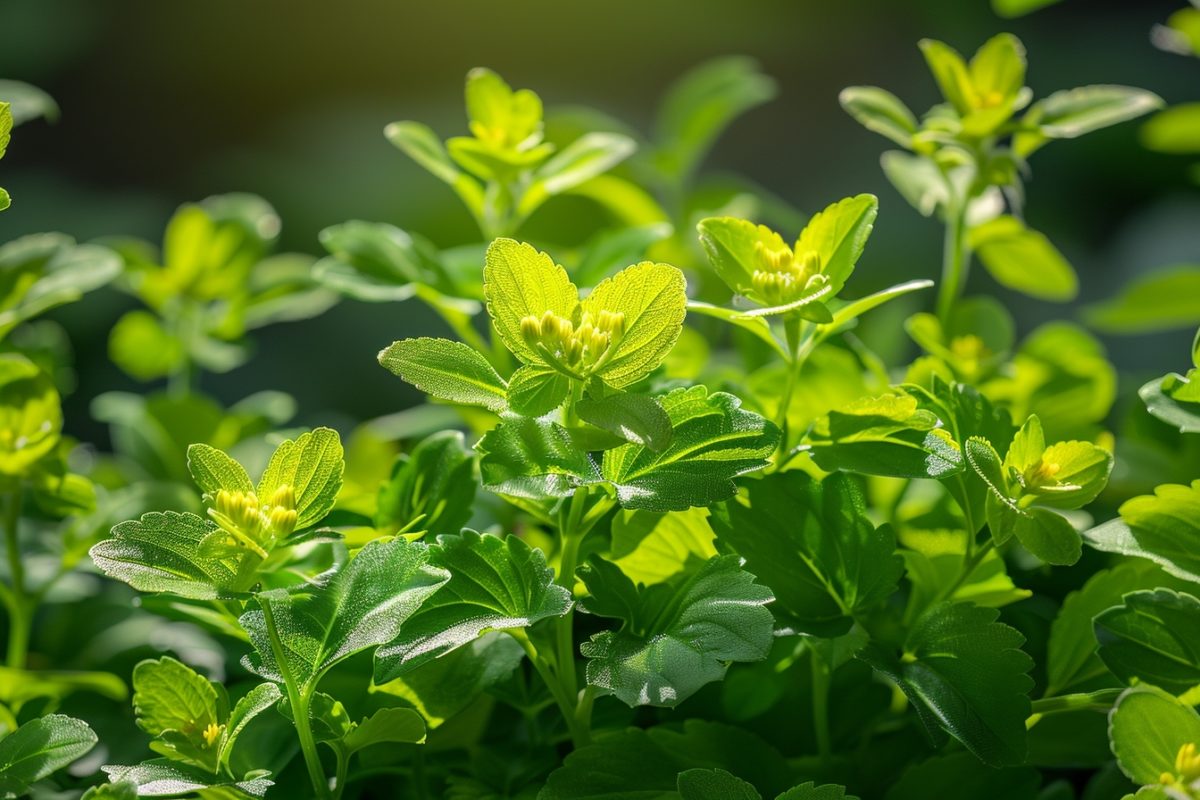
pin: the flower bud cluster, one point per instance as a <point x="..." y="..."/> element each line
<point x="248" y="520"/>
<point x="784" y="276"/>
<point x="579" y="347"/>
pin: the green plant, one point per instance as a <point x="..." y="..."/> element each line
<point x="665" y="524"/>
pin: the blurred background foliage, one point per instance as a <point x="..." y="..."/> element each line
<point x="164" y="103"/>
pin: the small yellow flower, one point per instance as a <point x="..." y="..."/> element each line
<point x="212" y="733"/>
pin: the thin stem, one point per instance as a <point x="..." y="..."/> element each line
<point x="181" y="380"/>
<point x="299" y="702"/>
<point x="820" y="700"/>
<point x="572" y="538"/>
<point x="791" y="325"/>
<point x="1100" y="700"/>
<point x="20" y="609"/>
<point x="969" y="564"/>
<point x="339" y="784"/>
<point x="566" y="703"/>
<point x="955" y="259"/>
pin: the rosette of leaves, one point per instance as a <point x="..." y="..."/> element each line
<point x="504" y="171"/>
<point x="214" y="280"/>
<point x="965" y="159"/>
<point x="1032" y="482"/>
<point x="195" y="729"/>
<point x="248" y="528"/>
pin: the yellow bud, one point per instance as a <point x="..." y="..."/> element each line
<point x="573" y="351"/>
<point x="212" y="733"/>
<point x="773" y="260"/>
<point x="1041" y="473"/>
<point x="808" y="265"/>
<point x="284" y="496"/>
<point x="1187" y="763"/>
<point x="531" y="330"/>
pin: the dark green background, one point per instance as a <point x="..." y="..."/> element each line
<point x="171" y="101"/>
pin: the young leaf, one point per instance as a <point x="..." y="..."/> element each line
<point x="1167" y="398"/>
<point x="213" y="470"/>
<point x="534" y="390"/>
<point x="1073" y="112"/>
<point x="714" y="784"/>
<point x="253" y="703"/>
<point x="39" y="748"/>
<point x="528" y="457"/>
<point x="585" y="158"/>
<point x="162" y="778"/>
<point x="311" y="465"/>
<point x="1153" y="638"/>
<point x="652" y="300"/>
<point x="636" y="418"/>
<point x="432" y="486"/>
<point x="839" y="234"/>
<point x="178" y="707"/>
<point x="495" y="585"/>
<point x="965" y="674"/>
<point x="520" y="282"/>
<point x="880" y="111"/>
<point x="362" y="605"/>
<point x="161" y="553"/>
<point x="673" y="639"/>
<point x="376" y="262"/>
<point x="811" y="791"/>
<point x="1162" y="300"/>
<point x="32" y="423"/>
<point x="950" y="72"/>
<point x="447" y="370"/>
<point x="1163" y="527"/>
<point x="713" y="440"/>
<point x="1148" y="728"/>
<point x="1023" y="260"/>
<point x="812" y="544"/>
<point x="423" y="146"/>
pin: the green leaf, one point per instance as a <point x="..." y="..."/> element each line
<point x="536" y="458"/>
<point x="636" y="764"/>
<point x="839" y="235"/>
<point x="253" y="703"/>
<point x="1162" y="300"/>
<point x="961" y="775"/>
<point x="376" y="262"/>
<point x="1147" y="728"/>
<point x="495" y="584"/>
<point x="1162" y="399"/>
<point x="653" y="548"/>
<point x="844" y="314"/>
<point x="142" y="347"/>
<point x="713" y="441"/>
<point x="30" y="427"/>
<point x="734" y="246"/>
<point x="1163" y="527"/>
<point x="637" y="419"/>
<point x="1017" y="8"/>
<point x="1023" y="260"/>
<point x="714" y="784"/>
<point x="386" y="726"/>
<point x="39" y="748"/>
<point x="19" y="686"/>
<point x="588" y="156"/>
<point x="700" y="105"/>
<point x="965" y="674"/>
<point x="422" y="145"/>
<point x="520" y="282"/>
<point x="755" y="325"/>
<point x="653" y="299"/>
<point x="950" y="72"/>
<point x="125" y="790"/>
<point x="1152" y="637"/>
<point x="1070" y="113"/>
<point x="673" y="638"/>
<point x="1071" y="660"/>
<point x="886" y="435"/>
<point x="432" y="487"/>
<point x="213" y="470"/>
<point x="177" y="706"/>
<point x="812" y="543"/>
<point x="161" y="553"/>
<point x="811" y="791"/>
<point x="447" y="370"/>
<point x="880" y="111"/>
<point x="918" y="180"/>
<point x="161" y="778"/>
<point x="535" y="390"/>
<point x="360" y="606"/>
<point x="312" y="466"/>
<point x="27" y="102"/>
<point x="1174" y="130"/>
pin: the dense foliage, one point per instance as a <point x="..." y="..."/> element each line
<point x="666" y="527"/>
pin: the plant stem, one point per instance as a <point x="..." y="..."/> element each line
<point x="1100" y="700"/>
<point x="339" y="784"/>
<point x="580" y="735"/>
<point x="572" y="538"/>
<point x="793" y="364"/>
<point x="299" y="702"/>
<point x="20" y="610"/>
<point x="820" y="700"/>
<point x="955" y="259"/>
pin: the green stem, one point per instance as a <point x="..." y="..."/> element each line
<point x="340" y="780"/>
<point x="969" y="564"/>
<point x="791" y="325"/>
<point x="1100" y="700"/>
<point x="572" y="538"/>
<point x="955" y="259"/>
<point x="181" y="380"/>
<point x="567" y="706"/>
<point x="299" y="702"/>
<point x="20" y="609"/>
<point x="820" y="700"/>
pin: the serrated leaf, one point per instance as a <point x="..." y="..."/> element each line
<point x="519" y="282"/>
<point x="965" y="674"/>
<point x="39" y="748"/>
<point x="495" y="584"/>
<point x="161" y="778"/>
<point x="653" y="299"/>
<point x="1163" y="527"/>
<point x="1152" y="637"/>
<point x="312" y="465"/>
<point x="176" y="705"/>
<point x="213" y="470"/>
<point x="636" y="418"/>
<point x="652" y="548"/>
<point x="811" y="791"/>
<point x="961" y="774"/>
<point x="528" y="457"/>
<point x="535" y="390"/>
<point x="1147" y="728"/>
<point x="886" y="435"/>
<point x="673" y="639"/>
<point x="432" y="486"/>
<point x="1023" y="260"/>
<point x="813" y="545"/>
<point x="839" y="234"/>
<point x="362" y="605"/>
<point x="161" y="553"/>
<point x="447" y="370"/>
<point x="714" y="784"/>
